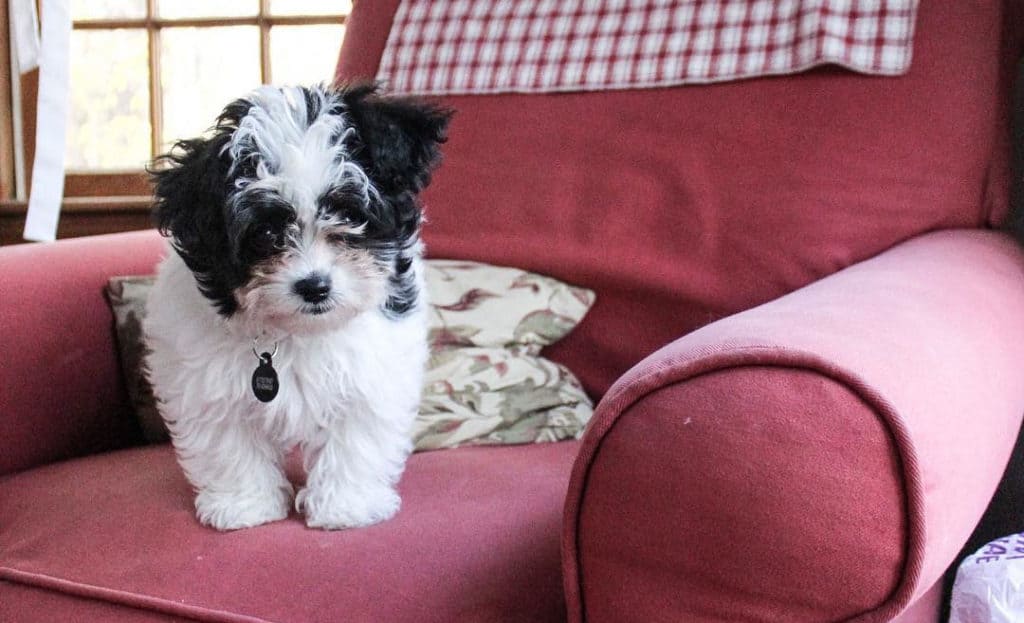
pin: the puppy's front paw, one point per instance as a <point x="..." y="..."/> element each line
<point x="351" y="508"/>
<point x="235" y="510"/>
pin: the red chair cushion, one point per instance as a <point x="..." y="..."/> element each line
<point x="477" y="539"/>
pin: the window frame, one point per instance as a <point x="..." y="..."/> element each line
<point x="7" y="148"/>
<point x="128" y="183"/>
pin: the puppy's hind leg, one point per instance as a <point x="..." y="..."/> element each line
<point x="236" y="472"/>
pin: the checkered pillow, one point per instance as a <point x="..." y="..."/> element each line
<point x="438" y="47"/>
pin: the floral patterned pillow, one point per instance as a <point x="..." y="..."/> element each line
<point x="486" y="382"/>
<point x="127" y="296"/>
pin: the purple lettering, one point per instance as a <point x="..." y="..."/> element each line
<point x="994" y="550"/>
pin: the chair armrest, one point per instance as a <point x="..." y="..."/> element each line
<point x="821" y="457"/>
<point x="61" y="388"/>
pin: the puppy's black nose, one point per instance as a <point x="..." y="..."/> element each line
<point x="314" y="288"/>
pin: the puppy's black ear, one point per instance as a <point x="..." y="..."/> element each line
<point x="190" y="191"/>
<point x="399" y="137"/>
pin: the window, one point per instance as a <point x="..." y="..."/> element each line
<point x="145" y="73"/>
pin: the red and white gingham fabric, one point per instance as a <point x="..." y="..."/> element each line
<point x="529" y="46"/>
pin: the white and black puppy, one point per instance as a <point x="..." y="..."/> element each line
<point x="291" y="310"/>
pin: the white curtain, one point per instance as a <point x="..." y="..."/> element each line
<point x="50" y="53"/>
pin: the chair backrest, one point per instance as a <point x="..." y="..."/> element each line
<point x="680" y="205"/>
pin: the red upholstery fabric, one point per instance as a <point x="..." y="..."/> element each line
<point x="927" y="609"/>
<point x="745" y="531"/>
<point x="821" y="457"/>
<point x="476" y="540"/>
<point x="681" y="206"/>
<point x="61" y="391"/>
<point x="22" y="603"/>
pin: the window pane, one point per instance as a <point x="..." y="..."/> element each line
<point x="310" y="7"/>
<point x="204" y="69"/>
<point x="206" y="8"/>
<point x="107" y="9"/>
<point x="108" y="118"/>
<point x="304" y="54"/>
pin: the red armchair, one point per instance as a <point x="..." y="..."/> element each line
<point x="805" y="345"/>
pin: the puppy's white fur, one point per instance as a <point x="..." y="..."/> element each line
<point x="350" y="378"/>
<point x="347" y="397"/>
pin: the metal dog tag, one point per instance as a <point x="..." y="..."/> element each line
<point x="264" y="379"/>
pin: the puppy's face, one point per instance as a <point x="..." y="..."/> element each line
<point x="299" y="212"/>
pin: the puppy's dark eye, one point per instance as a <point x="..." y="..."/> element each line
<point x="342" y="206"/>
<point x="348" y="205"/>
<point x="265" y="239"/>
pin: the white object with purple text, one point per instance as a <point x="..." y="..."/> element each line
<point x="989" y="584"/>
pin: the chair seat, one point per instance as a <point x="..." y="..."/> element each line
<point x="477" y="539"/>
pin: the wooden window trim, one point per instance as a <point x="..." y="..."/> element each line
<point x="7" y="181"/>
<point x="101" y="184"/>
<point x="156" y="116"/>
<point x="81" y="216"/>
